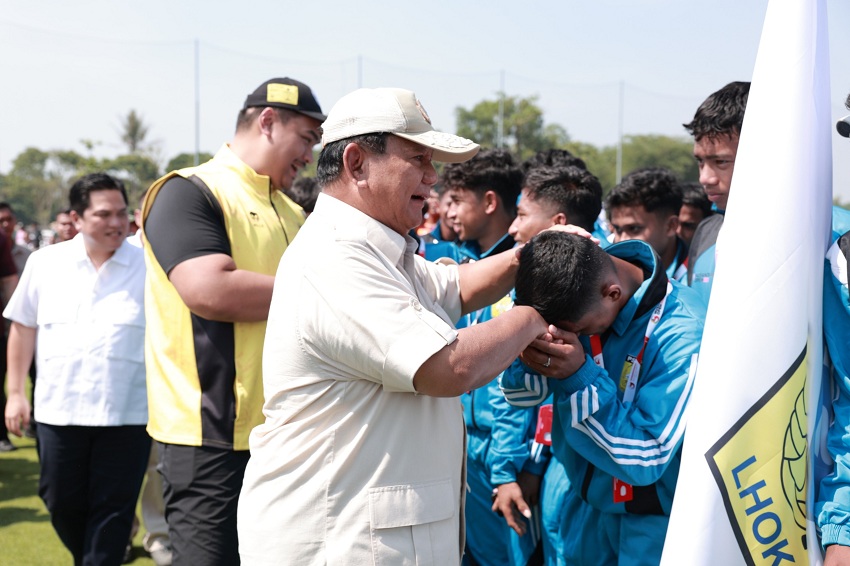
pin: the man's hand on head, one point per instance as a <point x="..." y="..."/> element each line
<point x="573" y="229"/>
<point x="556" y="353"/>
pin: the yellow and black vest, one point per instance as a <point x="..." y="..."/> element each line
<point x="205" y="385"/>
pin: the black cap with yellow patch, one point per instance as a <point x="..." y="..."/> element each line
<point x="286" y="93"/>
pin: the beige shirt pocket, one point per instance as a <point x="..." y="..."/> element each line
<point x="415" y="525"/>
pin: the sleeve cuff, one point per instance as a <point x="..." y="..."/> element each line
<point x="835" y="534"/>
<point x="584" y="376"/>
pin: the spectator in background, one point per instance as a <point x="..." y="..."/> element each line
<point x="8" y="225"/>
<point x="82" y="301"/>
<point x="695" y="208"/>
<point x="645" y="206"/>
<point x="716" y="128"/>
<point x="442" y="241"/>
<point x="304" y="191"/>
<point x="484" y="192"/>
<point x="64" y="227"/>
<point x="8" y="281"/>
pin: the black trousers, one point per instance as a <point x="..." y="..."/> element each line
<point x="201" y="488"/>
<point x="90" y="482"/>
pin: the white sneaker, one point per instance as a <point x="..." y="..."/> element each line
<point x="160" y="551"/>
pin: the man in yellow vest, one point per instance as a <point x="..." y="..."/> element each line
<point x="215" y="235"/>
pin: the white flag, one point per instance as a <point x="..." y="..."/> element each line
<point x="744" y="491"/>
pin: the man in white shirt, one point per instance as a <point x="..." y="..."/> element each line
<point x="82" y="302"/>
<point x="361" y="456"/>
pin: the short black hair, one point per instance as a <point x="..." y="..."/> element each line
<point x="304" y="191"/>
<point x="722" y="113"/>
<point x="560" y="275"/>
<point x="490" y="170"/>
<point x="7" y="206"/>
<point x="329" y="164"/>
<point x="656" y="189"/>
<point x="575" y="191"/>
<point x="693" y="194"/>
<point x="552" y="158"/>
<point x="79" y="195"/>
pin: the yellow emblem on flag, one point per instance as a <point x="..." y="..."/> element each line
<point x="285" y="94"/>
<point x="760" y="466"/>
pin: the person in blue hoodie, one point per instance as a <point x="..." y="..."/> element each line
<point x="832" y="507"/>
<point x="645" y="206"/>
<point x="621" y="360"/>
<point x="716" y="128"/>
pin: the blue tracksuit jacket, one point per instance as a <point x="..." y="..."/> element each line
<point x="833" y="503"/>
<point x="596" y="435"/>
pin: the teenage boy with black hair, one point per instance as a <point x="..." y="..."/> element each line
<point x="695" y="208"/>
<point x="716" y="128"/>
<point x="645" y="206"/>
<point x="484" y="192"/>
<point x="551" y="195"/>
<point x="621" y="364"/>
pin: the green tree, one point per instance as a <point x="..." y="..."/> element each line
<point x="137" y="171"/>
<point x="675" y="154"/>
<point x="639" y="151"/>
<point x="37" y="185"/>
<point x="602" y="162"/>
<point x="133" y="132"/>
<point x="524" y="131"/>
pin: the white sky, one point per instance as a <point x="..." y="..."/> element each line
<point x="70" y="71"/>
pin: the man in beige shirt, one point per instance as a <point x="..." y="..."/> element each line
<point x="361" y="457"/>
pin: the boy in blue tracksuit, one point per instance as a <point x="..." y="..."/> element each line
<point x="645" y="206"/>
<point x="621" y="362"/>
<point x="556" y="191"/>
<point x="716" y="128"/>
<point x="483" y="193"/>
<point x="833" y="503"/>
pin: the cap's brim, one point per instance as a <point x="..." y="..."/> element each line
<point x="315" y="115"/>
<point x="448" y="148"/>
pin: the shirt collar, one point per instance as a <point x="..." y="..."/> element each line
<point x="353" y="224"/>
<point x="78" y="249"/>
<point x="681" y="257"/>
<point x="261" y="184"/>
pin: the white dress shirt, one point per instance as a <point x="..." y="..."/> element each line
<point x="91" y="332"/>
<point x="351" y="465"/>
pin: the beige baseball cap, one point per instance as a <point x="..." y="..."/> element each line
<point x="394" y="111"/>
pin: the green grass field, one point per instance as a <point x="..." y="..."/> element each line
<point x="26" y="535"/>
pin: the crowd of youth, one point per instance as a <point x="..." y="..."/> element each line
<point x="486" y="366"/>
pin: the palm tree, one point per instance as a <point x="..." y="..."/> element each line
<point x="134" y="131"/>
